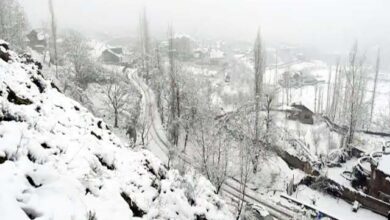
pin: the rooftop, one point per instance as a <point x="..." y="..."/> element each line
<point x="384" y="164"/>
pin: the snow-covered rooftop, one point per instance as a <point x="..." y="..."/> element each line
<point x="216" y="54"/>
<point x="384" y="164"/>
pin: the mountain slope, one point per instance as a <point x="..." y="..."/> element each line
<point x="57" y="161"/>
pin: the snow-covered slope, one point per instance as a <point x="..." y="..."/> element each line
<point x="57" y="161"/>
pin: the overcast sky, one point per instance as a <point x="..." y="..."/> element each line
<point x="324" y="23"/>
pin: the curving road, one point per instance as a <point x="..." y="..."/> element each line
<point x="159" y="145"/>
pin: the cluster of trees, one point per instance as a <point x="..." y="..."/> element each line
<point x="13" y="23"/>
<point x="348" y="102"/>
<point x="190" y="117"/>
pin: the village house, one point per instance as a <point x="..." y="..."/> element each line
<point x="380" y="179"/>
<point x="300" y="113"/>
<point x="183" y="46"/>
<point x="200" y="53"/>
<point x="216" y="56"/>
<point x="112" y="55"/>
<point x="37" y="40"/>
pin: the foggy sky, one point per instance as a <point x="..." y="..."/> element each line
<point x="327" y="24"/>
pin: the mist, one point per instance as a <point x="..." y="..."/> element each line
<point x="323" y="24"/>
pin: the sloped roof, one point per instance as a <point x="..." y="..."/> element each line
<point x="301" y="107"/>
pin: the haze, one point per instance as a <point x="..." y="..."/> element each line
<point x="330" y="25"/>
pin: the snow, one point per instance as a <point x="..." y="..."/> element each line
<point x="3" y="42"/>
<point x="275" y="177"/>
<point x="335" y="173"/>
<point x="97" y="48"/>
<point x="64" y="163"/>
<point x="337" y="207"/>
<point x="384" y="164"/>
<point x="216" y="54"/>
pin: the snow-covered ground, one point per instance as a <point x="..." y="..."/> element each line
<point x="337" y="207"/>
<point x="58" y="161"/>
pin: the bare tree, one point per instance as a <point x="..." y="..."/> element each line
<point x="174" y="100"/>
<point x="268" y="121"/>
<point x="259" y="67"/>
<point x="375" y="85"/>
<point x="54" y="36"/>
<point x="336" y="92"/>
<point x="315" y="98"/>
<point x="145" y="45"/>
<point x="117" y="95"/>
<point x="354" y="92"/>
<point x="158" y="82"/>
<point x="77" y="53"/>
<point x="245" y="168"/>
<point x="328" y="90"/>
<point x="214" y="147"/>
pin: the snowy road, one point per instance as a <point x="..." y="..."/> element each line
<point x="159" y="144"/>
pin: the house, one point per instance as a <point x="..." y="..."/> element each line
<point x="200" y="53"/>
<point x="112" y="55"/>
<point x="300" y="113"/>
<point x="37" y="40"/>
<point x="183" y="45"/>
<point x="216" y="56"/>
<point x="379" y="186"/>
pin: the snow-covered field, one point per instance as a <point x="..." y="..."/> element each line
<point x="58" y="161"/>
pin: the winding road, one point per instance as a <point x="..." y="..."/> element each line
<point x="159" y="145"/>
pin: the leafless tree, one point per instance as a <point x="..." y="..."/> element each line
<point x="158" y="82"/>
<point x="328" y="90"/>
<point x="259" y="68"/>
<point x="174" y="99"/>
<point x="315" y="98"/>
<point x="245" y="171"/>
<point x="268" y="121"/>
<point x="77" y="53"/>
<point x="54" y="36"/>
<point x="354" y="92"/>
<point x="145" y="45"/>
<point x="117" y="94"/>
<point x="336" y="93"/>
<point x="214" y="153"/>
<point x="375" y="85"/>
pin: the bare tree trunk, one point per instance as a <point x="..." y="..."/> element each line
<point x="174" y="125"/>
<point x="336" y="92"/>
<point x="145" y="43"/>
<point x="259" y="66"/>
<point x="54" y="33"/>
<point x="186" y="140"/>
<point x="375" y="85"/>
<point x="268" y="120"/>
<point x="328" y="91"/>
<point x="244" y="178"/>
<point x="315" y="98"/>
<point x="276" y="67"/>
<point x="355" y="92"/>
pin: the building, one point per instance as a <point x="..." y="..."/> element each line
<point x="37" y="40"/>
<point x="216" y="56"/>
<point x="300" y="113"/>
<point x="112" y="55"/>
<point x="183" y="46"/>
<point x="379" y="186"/>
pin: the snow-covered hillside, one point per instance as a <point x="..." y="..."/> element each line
<point x="57" y="161"/>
